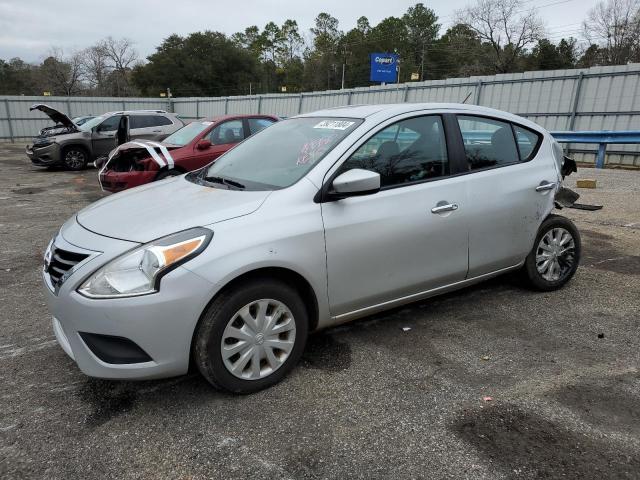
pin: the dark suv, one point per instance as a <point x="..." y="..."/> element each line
<point x="73" y="146"/>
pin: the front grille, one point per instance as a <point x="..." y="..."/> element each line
<point x="62" y="261"/>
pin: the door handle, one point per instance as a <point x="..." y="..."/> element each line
<point x="447" y="207"/>
<point x="544" y="186"/>
<point x="157" y="131"/>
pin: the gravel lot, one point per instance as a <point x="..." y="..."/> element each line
<point x="369" y="399"/>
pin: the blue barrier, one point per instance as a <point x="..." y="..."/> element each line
<point x="601" y="137"/>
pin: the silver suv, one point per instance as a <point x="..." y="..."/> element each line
<point x="314" y="221"/>
<point x="73" y="146"/>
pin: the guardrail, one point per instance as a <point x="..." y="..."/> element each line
<point x="600" y="137"/>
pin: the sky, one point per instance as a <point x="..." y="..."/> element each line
<point x="29" y="28"/>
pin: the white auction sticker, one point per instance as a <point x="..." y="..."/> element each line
<point x="334" y="124"/>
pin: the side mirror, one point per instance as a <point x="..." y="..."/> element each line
<point x="203" y="144"/>
<point x="355" y="182"/>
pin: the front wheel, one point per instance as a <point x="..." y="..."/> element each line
<point x="250" y="337"/>
<point x="555" y="255"/>
<point x="75" y="158"/>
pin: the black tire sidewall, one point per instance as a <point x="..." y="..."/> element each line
<point x="534" y="277"/>
<point x="209" y="333"/>
<point x="80" y="149"/>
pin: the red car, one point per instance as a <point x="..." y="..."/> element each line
<point x="193" y="146"/>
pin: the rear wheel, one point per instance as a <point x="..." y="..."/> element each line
<point x="555" y="255"/>
<point x="75" y="158"/>
<point x="250" y="337"/>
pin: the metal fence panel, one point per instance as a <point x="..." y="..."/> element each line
<point x="596" y="98"/>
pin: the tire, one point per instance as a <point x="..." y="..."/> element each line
<point x="75" y="158"/>
<point x="167" y="174"/>
<point x="555" y="255"/>
<point x="221" y="320"/>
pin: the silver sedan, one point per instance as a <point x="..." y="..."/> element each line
<point x="316" y="220"/>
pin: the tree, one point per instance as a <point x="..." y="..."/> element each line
<point x="202" y="63"/>
<point x="321" y="62"/>
<point x="568" y="51"/>
<point x="459" y="53"/>
<point x="591" y="57"/>
<point x="615" y="27"/>
<point x="291" y="42"/>
<point x="61" y="75"/>
<point x="505" y="26"/>
<point x="94" y="64"/>
<point x="122" y="57"/>
<point x="422" y="30"/>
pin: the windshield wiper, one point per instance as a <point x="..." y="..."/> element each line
<point x="224" y="181"/>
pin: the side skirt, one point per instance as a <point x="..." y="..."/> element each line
<point x="363" y="312"/>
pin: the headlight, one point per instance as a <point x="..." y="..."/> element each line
<point x="138" y="272"/>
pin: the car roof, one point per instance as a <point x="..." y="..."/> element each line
<point x="389" y="110"/>
<point x="218" y="118"/>
<point x="141" y="112"/>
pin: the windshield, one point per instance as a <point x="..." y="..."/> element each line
<point x="186" y="134"/>
<point x="282" y="154"/>
<point x="87" y="126"/>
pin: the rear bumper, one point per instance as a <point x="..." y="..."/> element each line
<point x="118" y="181"/>
<point x="44" y="156"/>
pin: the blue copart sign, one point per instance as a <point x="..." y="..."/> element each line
<point x="384" y="67"/>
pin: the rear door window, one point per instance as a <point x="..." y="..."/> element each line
<point x="527" y="140"/>
<point x="137" y="121"/>
<point x="257" y="124"/>
<point x="487" y="142"/>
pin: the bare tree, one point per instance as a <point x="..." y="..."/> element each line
<point x="505" y="25"/>
<point x="615" y="26"/>
<point x="122" y="57"/>
<point x="94" y="68"/>
<point x="60" y="73"/>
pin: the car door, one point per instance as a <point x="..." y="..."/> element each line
<point x="511" y="188"/>
<point x="103" y="137"/>
<point x="140" y="127"/>
<point x="223" y="137"/>
<point x="408" y="238"/>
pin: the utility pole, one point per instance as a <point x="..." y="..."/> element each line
<point x="422" y="62"/>
<point x="249" y="88"/>
<point x="344" y="65"/>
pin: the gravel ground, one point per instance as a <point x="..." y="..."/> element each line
<point x="369" y="400"/>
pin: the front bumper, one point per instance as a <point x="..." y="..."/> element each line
<point x="118" y="181"/>
<point x="161" y="324"/>
<point x="44" y="156"/>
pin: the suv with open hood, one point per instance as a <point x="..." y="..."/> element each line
<point x="73" y="146"/>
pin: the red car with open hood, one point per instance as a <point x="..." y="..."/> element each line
<point x="195" y="145"/>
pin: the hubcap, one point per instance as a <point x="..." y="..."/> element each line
<point x="74" y="158"/>
<point x="258" y="339"/>
<point x="555" y="254"/>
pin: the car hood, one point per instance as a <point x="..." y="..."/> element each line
<point x="160" y="208"/>
<point x="55" y="115"/>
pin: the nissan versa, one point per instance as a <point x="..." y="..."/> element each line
<point x="314" y="221"/>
